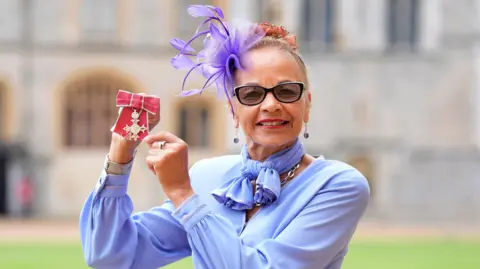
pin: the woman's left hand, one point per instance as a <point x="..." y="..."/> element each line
<point x="169" y="162"/>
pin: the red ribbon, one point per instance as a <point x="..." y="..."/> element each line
<point x="132" y="123"/>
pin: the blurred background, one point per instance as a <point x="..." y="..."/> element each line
<point x="396" y="93"/>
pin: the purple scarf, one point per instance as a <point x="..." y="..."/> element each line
<point x="236" y="193"/>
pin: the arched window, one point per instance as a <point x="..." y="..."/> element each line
<point x="194" y="121"/>
<point x="90" y="110"/>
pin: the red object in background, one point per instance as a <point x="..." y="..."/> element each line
<point x="25" y="192"/>
<point x="132" y="123"/>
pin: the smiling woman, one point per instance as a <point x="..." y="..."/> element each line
<point x="271" y="206"/>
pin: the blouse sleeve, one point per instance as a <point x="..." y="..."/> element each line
<point x="113" y="238"/>
<point x="313" y="239"/>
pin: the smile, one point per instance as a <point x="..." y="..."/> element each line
<point x="272" y="123"/>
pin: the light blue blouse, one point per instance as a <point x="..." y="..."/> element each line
<point x="309" y="226"/>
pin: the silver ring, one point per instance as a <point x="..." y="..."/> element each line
<point x="162" y="144"/>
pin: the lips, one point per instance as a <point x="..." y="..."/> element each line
<point x="272" y="122"/>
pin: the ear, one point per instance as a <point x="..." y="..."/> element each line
<point x="235" y="117"/>
<point x="308" y="103"/>
<point x="236" y="123"/>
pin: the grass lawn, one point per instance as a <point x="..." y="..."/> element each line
<point x="362" y="255"/>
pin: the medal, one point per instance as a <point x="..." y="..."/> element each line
<point x="132" y="122"/>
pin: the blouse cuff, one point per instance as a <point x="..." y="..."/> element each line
<point x="111" y="185"/>
<point x="191" y="212"/>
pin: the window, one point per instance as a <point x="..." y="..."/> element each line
<point x="148" y="26"/>
<point x="47" y="20"/>
<point x="403" y="24"/>
<point x="194" y="124"/>
<point x="270" y="11"/>
<point x="10" y="20"/>
<point x="318" y="33"/>
<point x="90" y="110"/>
<point x="99" y="21"/>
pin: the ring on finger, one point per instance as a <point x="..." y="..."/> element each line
<point x="160" y="145"/>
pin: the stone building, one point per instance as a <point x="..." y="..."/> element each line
<point x="396" y="89"/>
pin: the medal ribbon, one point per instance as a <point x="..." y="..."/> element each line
<point x="132" y="122"/>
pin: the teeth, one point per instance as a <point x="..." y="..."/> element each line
<point x="272" y="123"/>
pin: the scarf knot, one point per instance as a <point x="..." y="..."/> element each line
<point x="247" y="174"/>
<point x="237" y="192"/>
<point x="267" y="165"/>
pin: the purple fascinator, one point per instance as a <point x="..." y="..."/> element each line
<point x="223" y="46"/>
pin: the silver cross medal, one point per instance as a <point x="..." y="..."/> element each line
<point x="134" y="129"/>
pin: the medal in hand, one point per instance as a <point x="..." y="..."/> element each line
<point x="132" y="122"/>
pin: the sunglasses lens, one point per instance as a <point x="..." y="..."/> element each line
<point x="250" y="95"/>
<point x="289" y="92"/>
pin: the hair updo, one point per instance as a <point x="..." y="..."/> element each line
<point x="278" y="37"/>
<point x="280" y="33"/>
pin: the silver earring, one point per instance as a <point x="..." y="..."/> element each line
<point x="235" y="139"/>
<point x="306" y="135"/>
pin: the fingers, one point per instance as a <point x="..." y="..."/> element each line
<point x="156" y="161"/>
<point x="163" y="136"/>
<point x="151" y="161"/>
<point x="157" y="147"/>
<point x="151" y="167"/>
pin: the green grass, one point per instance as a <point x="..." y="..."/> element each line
<point x="362" y="255"/>
<point x="441" y="254"/>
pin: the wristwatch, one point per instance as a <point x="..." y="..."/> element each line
<point x="117" y="168"/>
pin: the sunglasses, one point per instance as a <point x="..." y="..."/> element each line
<point x="285" y="92"/>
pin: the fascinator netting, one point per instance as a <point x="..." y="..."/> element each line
<point x="220" y="56"/>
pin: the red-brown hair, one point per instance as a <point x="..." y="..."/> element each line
<point x="278" y="37"/>
<point x="279" y="32"/>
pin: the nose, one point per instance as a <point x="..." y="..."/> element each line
<point x="270" y="104"/>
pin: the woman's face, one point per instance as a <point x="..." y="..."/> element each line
<point x="271" y="123"/>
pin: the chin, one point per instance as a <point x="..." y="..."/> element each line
<point x="275" y="141"/>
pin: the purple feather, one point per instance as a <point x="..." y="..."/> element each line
<point x="211" y="79"/>
<point x="181" y="62"/>
<point x="181" y="45"/>
<point x="215" y="33"/>
<point x="200" y="11"/>
<point x="187" y="44"/>
<point x="219" y="12"/>
<point x="190" y="92"/>
<point x="188" y="74"/>
<point x="209" y="20"/>
<point x="221" y="55"/>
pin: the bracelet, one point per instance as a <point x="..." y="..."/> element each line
<point x="114" y="168"/>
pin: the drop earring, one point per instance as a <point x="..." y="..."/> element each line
<point x="235" y="139"/>
<point x="306" y="135"/>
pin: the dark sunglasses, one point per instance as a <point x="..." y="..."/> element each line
<point x="285" y="92"/>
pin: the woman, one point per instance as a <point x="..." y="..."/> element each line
<point x="272" y="206"/>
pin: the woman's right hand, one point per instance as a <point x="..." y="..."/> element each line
<point x="122" y="149"/>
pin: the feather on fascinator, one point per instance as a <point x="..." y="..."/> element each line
<point x="223" y="45"/>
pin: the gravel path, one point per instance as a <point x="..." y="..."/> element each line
<point x="68" y="230"/>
